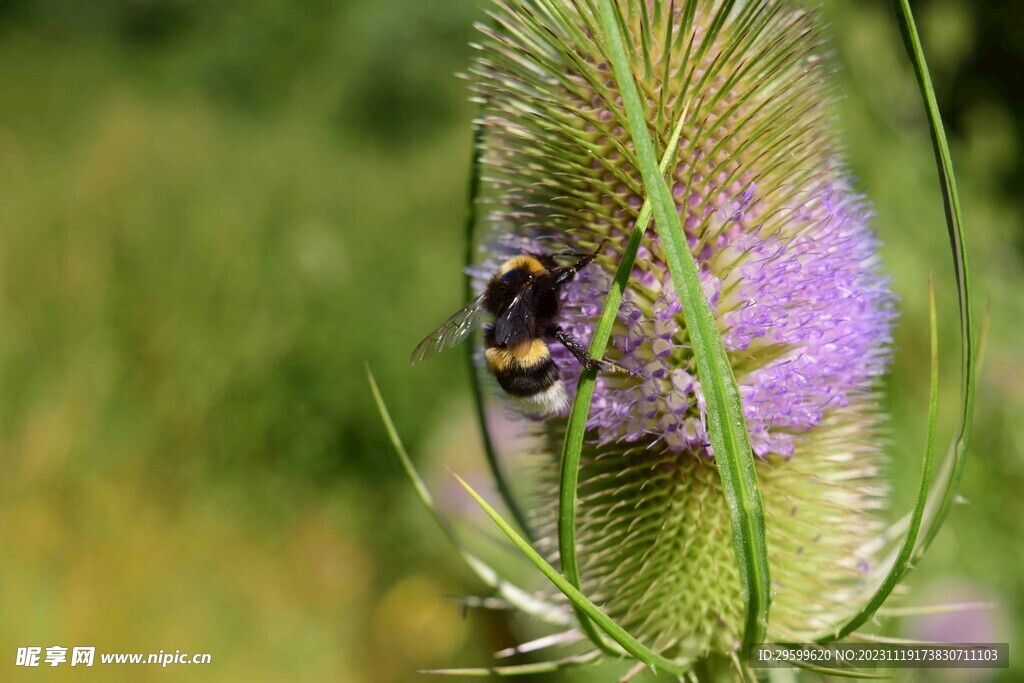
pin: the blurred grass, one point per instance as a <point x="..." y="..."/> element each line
<point x="191" y="457"/>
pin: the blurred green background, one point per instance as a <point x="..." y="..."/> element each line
<point x="212" y="215"/>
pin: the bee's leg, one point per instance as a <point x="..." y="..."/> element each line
<point x="576" y="348"/>
<point x="547" y="260"/>
<point x="564" y="275"/>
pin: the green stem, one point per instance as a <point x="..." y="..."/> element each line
<point x="576" y="428"/>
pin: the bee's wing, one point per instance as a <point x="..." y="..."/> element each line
<point x="515" y="318"/>
<point x="451" y="332"/>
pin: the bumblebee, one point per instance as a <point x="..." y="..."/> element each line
<point x="523" y="297"/>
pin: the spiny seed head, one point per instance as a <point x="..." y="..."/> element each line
<point x="787" y="262"/>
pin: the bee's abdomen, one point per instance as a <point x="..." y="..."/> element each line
<point x="523" y="370"/>
<point x="521" y="382"/>
<point x="528" y="374"/>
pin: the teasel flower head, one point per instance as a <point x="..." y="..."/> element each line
<point x="788" y="264"/>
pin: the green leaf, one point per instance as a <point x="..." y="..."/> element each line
<point x="902" y="562"/>
<point x="616" y="632"/>
<point x="953" y="468"/>
<point x="726" y="425"/>
<point x="512" y="594"/>
<point x="576" y="428"/>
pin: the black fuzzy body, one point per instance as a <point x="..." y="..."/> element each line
<point x="537" y="309"/>
<point x="523" y="297"/>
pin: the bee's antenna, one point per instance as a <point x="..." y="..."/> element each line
<point x="579" y="254"/>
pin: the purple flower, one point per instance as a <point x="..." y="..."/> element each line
<point x="802" y="306"/>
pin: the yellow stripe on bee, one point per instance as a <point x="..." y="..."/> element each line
<point x="527" y="263"/>
<point x="525" y="355"/>
<point x="531" y="353"/>
<point x="500" y="360"/>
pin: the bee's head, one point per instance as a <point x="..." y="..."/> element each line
<point x="515" y="277"/>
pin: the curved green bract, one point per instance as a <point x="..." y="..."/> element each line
<point x="726" y="424"/>
<point x="954" y="223"/>
<point x="514" y="595"/>
<point x="630" y="644"/>
<point x="902" y="562"/>
<point x="572" y="447"/>
<point x="497" y="471"/>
